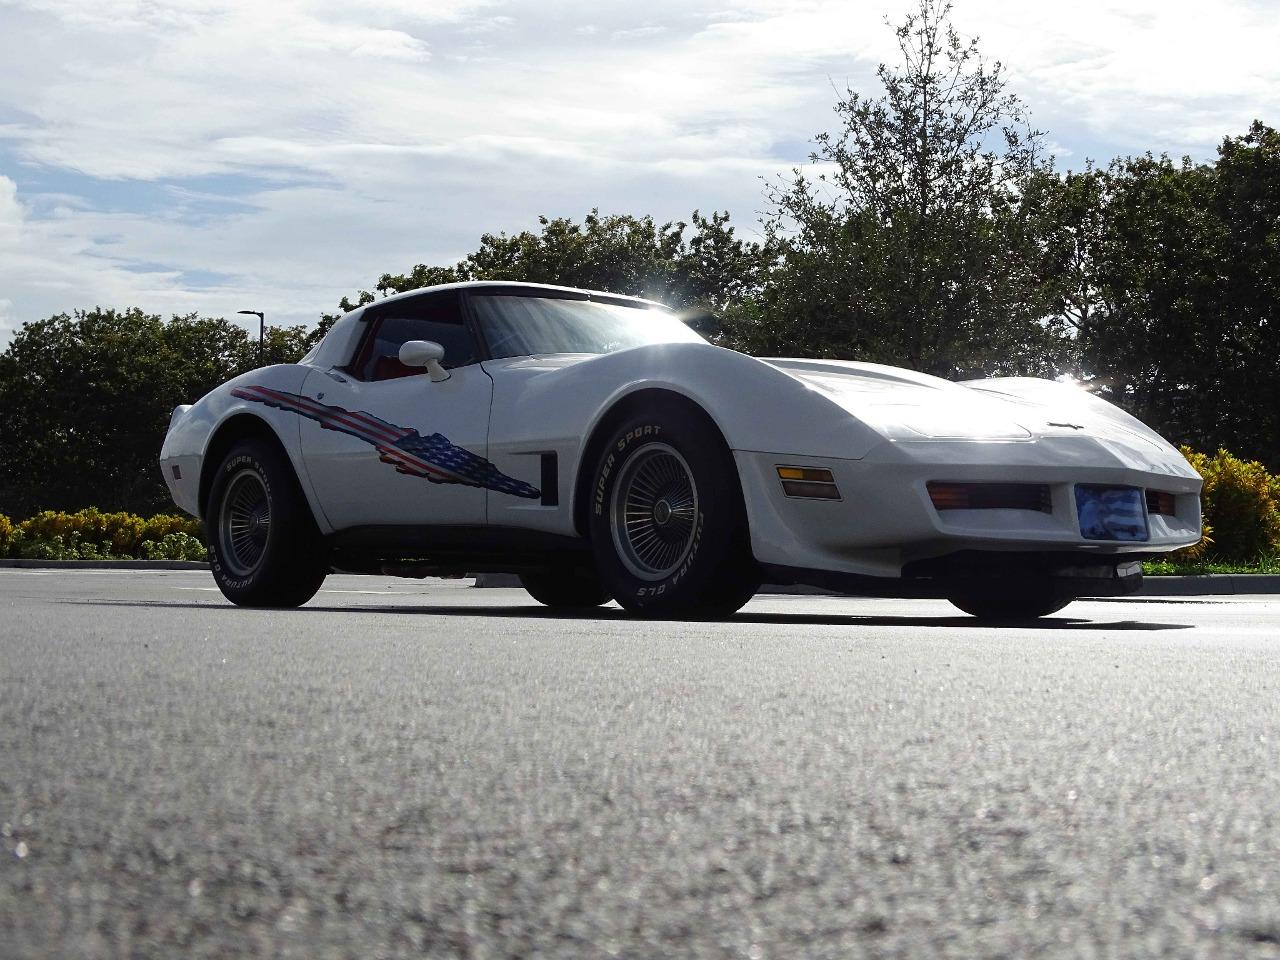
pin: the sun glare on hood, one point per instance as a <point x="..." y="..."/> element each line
<point x="962" y="424"/>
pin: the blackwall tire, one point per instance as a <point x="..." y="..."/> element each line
<point x="1007" y="603"/>
<point x="667" y="521"/>
<point x="566" y="589"/>
<point x="265" y="548"/>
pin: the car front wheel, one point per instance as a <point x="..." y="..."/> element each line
<point x="1011" y="602"/>
<point x="265" y="547"/>
<point x="668" y="524"/>
<point x="565" y="589"/>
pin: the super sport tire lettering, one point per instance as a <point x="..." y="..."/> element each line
<point x="716" y="575"/>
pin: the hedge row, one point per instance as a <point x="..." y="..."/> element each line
<point x="1241" y="503"/>
<point x="1241" y="506"/>
<point x="93" y="535"/>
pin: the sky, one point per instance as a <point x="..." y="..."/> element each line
<point x="218" y="155"/>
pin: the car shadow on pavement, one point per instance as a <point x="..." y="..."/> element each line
<point x="537" y="612"/>
<point x="964" y="623"/>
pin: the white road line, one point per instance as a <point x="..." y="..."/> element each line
<point x="372" y="593"/>
<point x="377" y="593"/>
<point x="73" y="572"/>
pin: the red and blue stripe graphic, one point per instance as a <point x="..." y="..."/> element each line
<point x="432" y="457"/>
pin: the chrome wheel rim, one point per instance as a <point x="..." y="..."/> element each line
<point x="244" y="523"/>
<point x="654" y="510"/>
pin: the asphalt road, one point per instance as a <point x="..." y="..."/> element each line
<point x="420" y="768"/>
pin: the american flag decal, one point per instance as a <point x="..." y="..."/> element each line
<point x="433" y="458"/>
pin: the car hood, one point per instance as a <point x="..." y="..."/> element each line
<point x="906" y="405"/>
<point x="876" y="394"/>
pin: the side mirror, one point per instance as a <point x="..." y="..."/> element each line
<point x="424" y="353"/>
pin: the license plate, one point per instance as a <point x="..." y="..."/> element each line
<point x="1111" y="513"/>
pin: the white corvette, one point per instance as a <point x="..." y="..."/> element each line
<point x="598" y="447"/>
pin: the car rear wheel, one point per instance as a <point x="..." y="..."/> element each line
<point x="565" y="589"/>
<point x="265" y="547"/>
<point x="1011" y="602"/>
<point x="667" y="521"/>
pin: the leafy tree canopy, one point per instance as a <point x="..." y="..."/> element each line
<point x="907" y="242"/>
<point x="87" y="398"/>
<point x="699" y="266"/>
<point x="1170" y="273"/>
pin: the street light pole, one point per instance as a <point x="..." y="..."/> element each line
<point x="262" y="326"/>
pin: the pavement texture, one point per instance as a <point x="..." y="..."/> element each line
<point x="408" y="768"/>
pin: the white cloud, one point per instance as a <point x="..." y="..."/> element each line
<point x="396" y="131"/>
<point x="637" y="33"/>
<point x="49" y="262"/>
<point x="10" y="215"/>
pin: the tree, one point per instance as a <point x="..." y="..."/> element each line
<point x="911" y="244"/>
<point x="1247" y="203"/>
<point x="1183" y="323"/>
<point x="1070" y="211"/>
<point x="87" y="398"/>
<point x="1143" y="342"/>
<point x="705" y="271"/>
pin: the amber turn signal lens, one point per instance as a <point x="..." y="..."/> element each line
<point x="810" y="474"/>
<point x="810" y="483"/>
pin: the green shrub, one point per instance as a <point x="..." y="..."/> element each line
<point x="1241" y="506"/>
<point x="164" y="524"/>
<point x="7" y="533"/>
<point x="29" y="548"/>
<point x="175" y="546"/>
<point x="91" y="534"/>
<point x="120" y="533"/>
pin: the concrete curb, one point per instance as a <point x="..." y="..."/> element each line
<point x="108" y="564"/>
<point x="1210" y="585"/>
<point x="1207" y="585"/>
<point x="496" y="580"/>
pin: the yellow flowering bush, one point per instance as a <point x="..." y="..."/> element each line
<point x="164" y="524"/>
<point x="7" y="531"/>
<point x="91" y="534"/>
<point x="1241" y="506"/>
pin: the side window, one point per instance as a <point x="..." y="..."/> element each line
<point x="435" y="317"/>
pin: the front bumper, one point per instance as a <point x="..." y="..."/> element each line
<point x="885" y="523"/>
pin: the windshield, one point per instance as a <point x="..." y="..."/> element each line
<point x="528" y="326"/>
